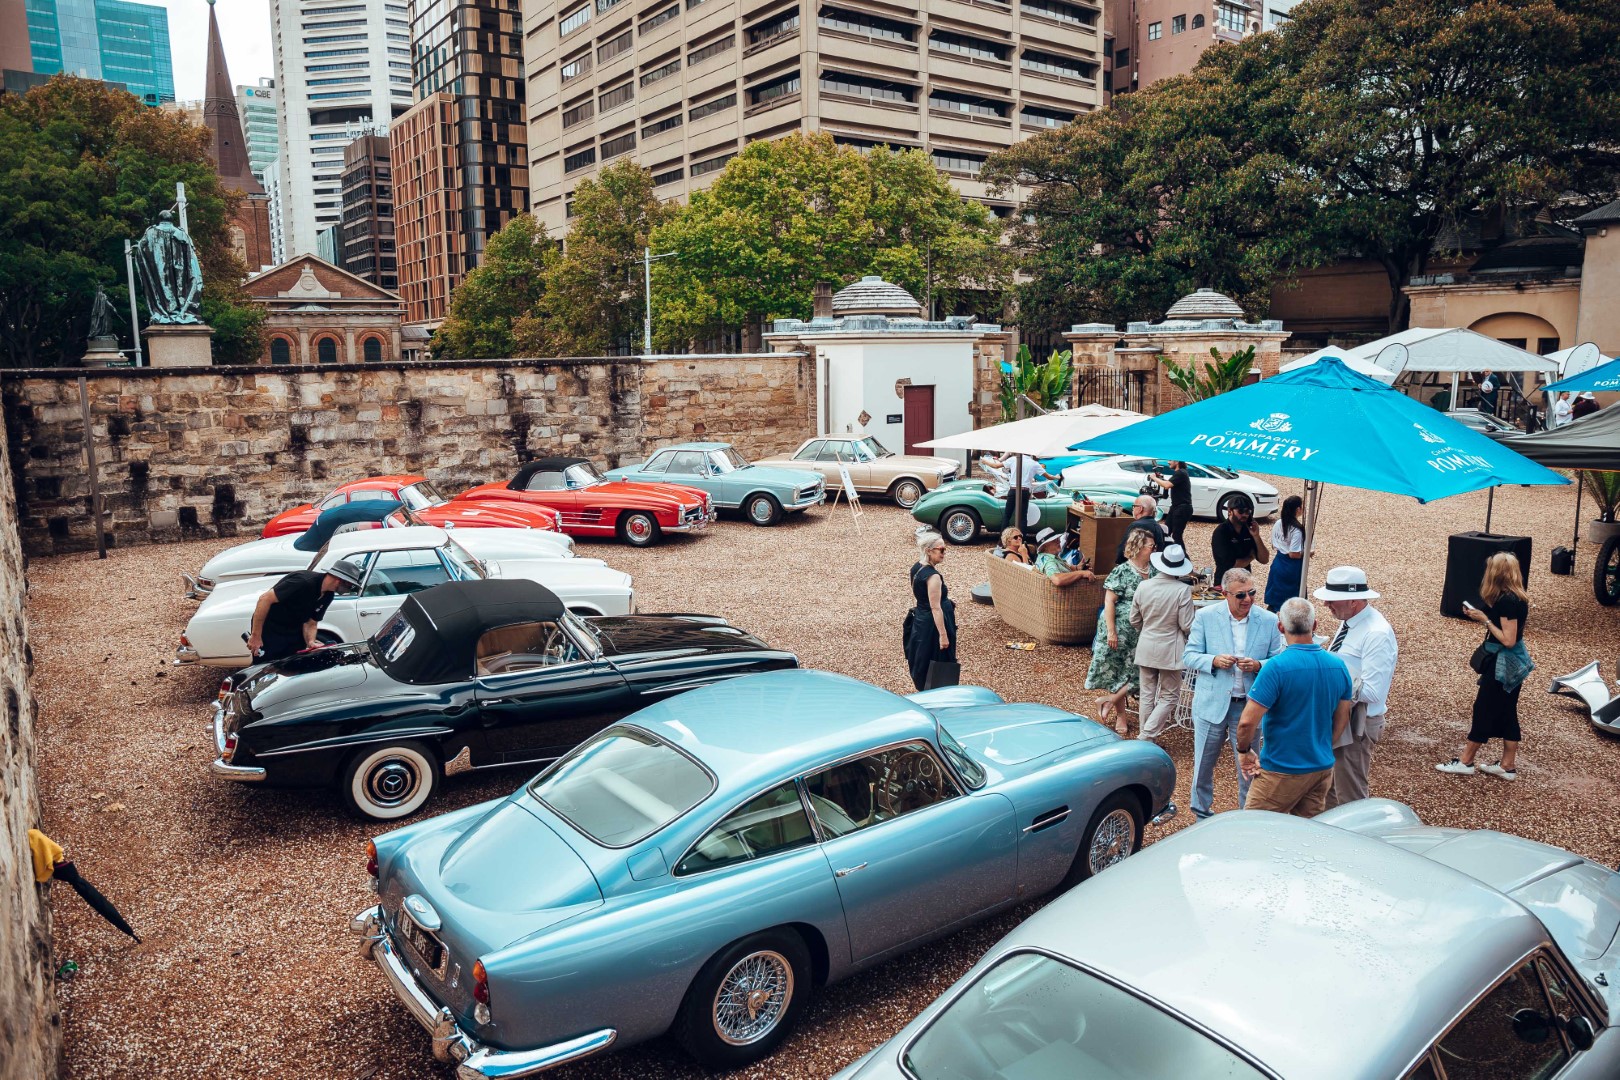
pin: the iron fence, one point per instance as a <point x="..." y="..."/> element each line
<point x="1111" y="387"/>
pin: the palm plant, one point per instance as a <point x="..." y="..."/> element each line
<point x="1046" y="384"/>
<point x="1605" y="488"/>
<point x="1220" y="375"/>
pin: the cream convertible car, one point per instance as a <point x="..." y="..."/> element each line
<point x="397" y="562"/>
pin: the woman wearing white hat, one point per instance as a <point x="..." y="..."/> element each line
<point x="1162" y="614"/>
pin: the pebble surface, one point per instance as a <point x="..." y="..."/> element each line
<point x="242" y="896"/>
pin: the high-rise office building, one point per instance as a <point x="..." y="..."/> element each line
<point x="272" y="188"/>
<point x="342" y="70"/>
<point x="119" y="42"/>
<point x="681" y="86"/>
<point x="261" y="124"/>
<point x="467" y="67"/>
<point x="367" y="236"/>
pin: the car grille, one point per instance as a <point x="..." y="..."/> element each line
<point x="809" y="492"/>
<point x="946" y="478"/>
<point x="692" y="516"/>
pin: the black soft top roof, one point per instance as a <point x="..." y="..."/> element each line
<point x="545" y="464"/>
<point x="448" y="620"/>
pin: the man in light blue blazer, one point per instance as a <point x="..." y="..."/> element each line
<point x="1227" y="645"/>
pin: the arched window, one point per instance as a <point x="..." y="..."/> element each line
<point x="1198" y="20"/>
<point x="373" y="350"/>
<point x="327" y="350"/>
<point x="280" y="351"/>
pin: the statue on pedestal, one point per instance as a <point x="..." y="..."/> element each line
<point x="171" y="277"/>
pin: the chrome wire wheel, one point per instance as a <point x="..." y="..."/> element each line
<point x="1113" y="841"/>
<point x="753" y="997"/>
<point x="961" y="526"/>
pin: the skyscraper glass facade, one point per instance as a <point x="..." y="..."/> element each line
<point x="114" y="40"/>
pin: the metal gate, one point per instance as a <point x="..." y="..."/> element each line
<point x="1111" y="387"/>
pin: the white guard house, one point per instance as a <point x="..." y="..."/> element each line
<point x="884" y="370"/>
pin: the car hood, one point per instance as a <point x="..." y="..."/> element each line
<point x="273" y="555"/>
<point x="1011" y="735"/>
<point x="480" y="514"/>
<point x="320" y="678"/>
<point x="631" y="634"/>
<point x="516" y="543"/>
<point x="770" y="474"/>
<point x="919" y="463"/>
<point x="564" y="577"/>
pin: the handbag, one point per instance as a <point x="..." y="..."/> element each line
<point x="942" y="673"/>
<point x="1481" y="661"/>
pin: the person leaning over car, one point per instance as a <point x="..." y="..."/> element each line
<point x="288" y="614"/>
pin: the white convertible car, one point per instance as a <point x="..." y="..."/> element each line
<point x="292" y="551"/>
<point x="1211" y="485"/>
<point x="397" y="562"/>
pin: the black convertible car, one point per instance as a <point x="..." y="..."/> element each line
<point x="466" y="675"/>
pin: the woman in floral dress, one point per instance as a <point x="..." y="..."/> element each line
<point x="1113" y="651"/>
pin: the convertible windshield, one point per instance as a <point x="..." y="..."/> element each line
<point x="582" y="474"/>
<point x="728" y="460"/>
<point x="468" y="566"/>
<point x="969" y="769"/>
<point x="421" y="495"/>
<point x="622" y="786"/>
<point x="869" y="448"/>
<point x="1032" y="1015"/>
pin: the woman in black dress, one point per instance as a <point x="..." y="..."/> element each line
<point x="1179" y="485"/>
<point x="930" y="627"/>
<point x="1505" y="663"/>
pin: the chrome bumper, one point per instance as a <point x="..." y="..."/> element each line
<point x="1168" y="813"/>
<point x="186" y="654"/>
<point x="697" y="524"/>
<point x="818" y="499"/>
<point x="246" y="774"/>
<point x="195" y="590"/>
<point x="473" y="1060"/>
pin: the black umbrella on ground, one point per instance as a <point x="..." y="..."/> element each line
<point x="51" y="864"/>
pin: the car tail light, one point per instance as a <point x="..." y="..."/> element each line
<point x="185" y="642"/>
<point x="229" y="752"/>
<point x="371" y="858"/>
<point x="224" y="685"/>
<point x="480" y="987"/>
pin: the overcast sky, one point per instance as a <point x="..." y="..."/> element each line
<point x="244" y="26"/>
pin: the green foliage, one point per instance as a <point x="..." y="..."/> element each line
<point x="82" y="168"/>
<point x="1219" y="375"/>
<point x="1605" y="488"/>
<point x="505" y="287"/>
<point x="238" y="322"/>
<point x="1047" y="384"/>
<point x="1360" y="126"/>
<point x="789" y="213"/>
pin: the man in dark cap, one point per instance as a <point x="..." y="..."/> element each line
<point x="287" y="616"/>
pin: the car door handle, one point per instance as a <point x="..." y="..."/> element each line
<point x="1048" y="819"/>
<point x="371" y="611"/>
<point x="848" y="870"/>
<point x="493" y="701"/>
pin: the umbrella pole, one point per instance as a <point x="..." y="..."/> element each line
<point x="1313" y="503"/>
<point x="1018" y="492"/>
<point x="1575" y="541"/>
<point x="1490" y="502"/>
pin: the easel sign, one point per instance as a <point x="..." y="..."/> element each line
<point x="846" y="487"/>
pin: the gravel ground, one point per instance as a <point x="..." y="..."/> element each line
<point x="243" y="896"/>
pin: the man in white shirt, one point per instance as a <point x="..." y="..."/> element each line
<point x="1366" y="642"/>
<point x="1019" y="471"/>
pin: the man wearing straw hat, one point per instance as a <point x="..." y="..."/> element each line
<point x="1162" y="613"/>
<point x="1366" y="642"/>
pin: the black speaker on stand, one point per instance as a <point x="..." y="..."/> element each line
<point x="1466" y="556"/>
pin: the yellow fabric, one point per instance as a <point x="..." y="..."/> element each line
<point x="47" y="853"/>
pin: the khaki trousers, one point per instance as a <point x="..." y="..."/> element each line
<point x="1353" y="762"/>
<point x="1300" y="794"/>
<point x="1161" y="690"/>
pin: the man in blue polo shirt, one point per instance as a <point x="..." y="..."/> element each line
<point x="1299" y="703"/>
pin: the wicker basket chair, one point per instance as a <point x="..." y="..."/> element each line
<point x="1028" y="601"/>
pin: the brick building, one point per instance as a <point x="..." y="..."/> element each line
<point x="366" y="238"/>
<point x="319" y="313"/>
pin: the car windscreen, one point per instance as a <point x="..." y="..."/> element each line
<point x="728" y="460"/>
<point x="581" y="474"/>
<point x="1032" y="1015"/>
<point x="622" y="786"/>
<point x="421" y="495"/>
<point x="1216" y="470"/>
<point x="873" y="448"/>
<point x="971" y="771"/>
<point x="468" y="566"/>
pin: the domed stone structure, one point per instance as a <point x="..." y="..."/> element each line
<point x="1204" y="304"/>
<point x="873" y="296"/>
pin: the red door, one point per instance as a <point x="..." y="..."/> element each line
<point x="919" y="409"/>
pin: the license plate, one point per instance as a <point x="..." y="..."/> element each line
<point x="422" y="943"/>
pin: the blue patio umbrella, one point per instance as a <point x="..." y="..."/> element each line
<point x="1328" y="424"/>
<point x="1598" y="380"/>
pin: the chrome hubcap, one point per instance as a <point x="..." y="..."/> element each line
<point x="391" y="783"/>
<point x="959" y="527"/>
<point x="907" y="495"/>
<point x="760" y="510"/>
<point x="752" y="998"/>
<point x="1113" y="841"/>
<point x="638" y="528"/>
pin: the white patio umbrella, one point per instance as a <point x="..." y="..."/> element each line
<point x="1362" y="364"/>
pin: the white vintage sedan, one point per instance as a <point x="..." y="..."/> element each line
<point x="397" y="563"/>
<point x="292" y="551"/>
<point x="1212" y="486"/>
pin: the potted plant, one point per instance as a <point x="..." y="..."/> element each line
<point x="1605" y="488"/>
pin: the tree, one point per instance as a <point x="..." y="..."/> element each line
<point x="505" y="288"/>
<point x="789" y="213"/>
<point x="1047" y="385"/>
<point x="594" y="292"/>
<point x="1220" y="375"/>
<point x="82" y="168"/>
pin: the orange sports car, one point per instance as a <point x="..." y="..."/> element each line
<point x="426" y="504"/>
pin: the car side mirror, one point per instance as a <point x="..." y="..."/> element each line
<point x="1531" y="1027"/>
<point x="1581" y="1035"/>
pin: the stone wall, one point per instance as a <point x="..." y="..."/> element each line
<point x="217" y="451"/>
<point x="30" y="1025"/>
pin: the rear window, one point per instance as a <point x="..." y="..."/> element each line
<point x="623" y="786"/>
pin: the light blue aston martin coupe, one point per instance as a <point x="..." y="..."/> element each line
<point x="701" y="866"/>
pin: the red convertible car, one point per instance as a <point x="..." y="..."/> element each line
<point x="426" y="505"/>
<point x="591" y="505"/>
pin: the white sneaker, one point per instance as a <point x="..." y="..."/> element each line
<point x="1457" y="767"/>
<point x="1499" y="772"/>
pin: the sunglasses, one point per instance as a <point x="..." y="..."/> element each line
<point x="1246" y="595"/>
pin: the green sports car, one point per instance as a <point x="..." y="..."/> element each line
<point x="963" y="507"/>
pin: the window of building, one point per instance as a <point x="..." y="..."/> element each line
<point x="1056" y="9"/>
<point x="963" y="45"/>
<point x="573" y="69"/>
<point x="574" y="162"/>
<point x="1065" y="66"/>
<point x="603" y="5"/>
<point x="334" y="25"/>
<point x="373" y="350"/>
<point x="328" y="54"/>
<point x="1178" y="25"/>
<point x="776" y="88"/>
<point x="612" y="99"/>
<point x="583" y="111"/>
<point x="713" y="49"/>
<point x="574" y="19"/>
<point x="714" y="105"/>
<point x="333" y="40"/>
<point x="669" y="176"/>
<point x="616" y="146"/>
<point x="837" y="82"/>
<point x="1229" y="18"/>
<point x="785" y="23"/>
<point x="871" y="26"/>
<point x="662" y="71"/>
<point x="714" y="164"/>
<point x="615" y="47"/>
<point x="1546" y="345"/>
<point x="958" y="162"/>
<point x="326" y="350"/>
<point x="353" y="65"/>
<point x="658" y="127"/>
<point x="1155" y="31"/>
<point x="337" y="82"/>
<point x="968" y="103"/>
<point x="280" y="351"/>
<point x="659" y="19"/>
<point x="1031" y="116"/>
<point x="1197" y="24"/>
<point x="1122" y="58"/>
